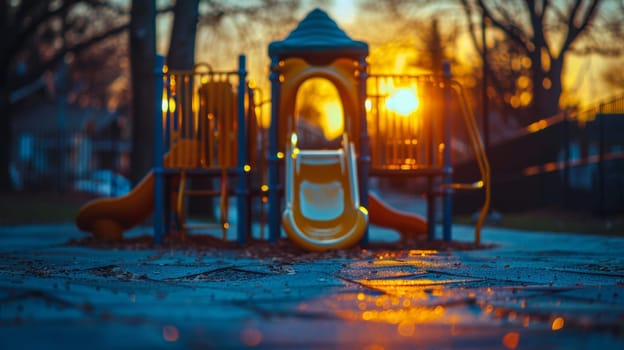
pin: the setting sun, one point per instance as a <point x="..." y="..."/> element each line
<point x="403" y="101"/>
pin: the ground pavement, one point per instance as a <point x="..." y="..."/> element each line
<point x="529" y="291"/>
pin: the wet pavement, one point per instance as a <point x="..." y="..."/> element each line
<point x="530" y="291"/>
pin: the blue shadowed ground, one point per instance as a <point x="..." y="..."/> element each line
<point x="528" y="290"/>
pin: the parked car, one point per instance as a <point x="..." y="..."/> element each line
<point x="103" y="183"/>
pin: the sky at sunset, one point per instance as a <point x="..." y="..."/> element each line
<point x="582" y="80"/>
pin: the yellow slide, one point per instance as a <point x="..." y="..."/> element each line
<point x="108" y="218"/>
<point x="322" y="198"/>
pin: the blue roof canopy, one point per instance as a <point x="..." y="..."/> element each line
<point x="318" y="40"/>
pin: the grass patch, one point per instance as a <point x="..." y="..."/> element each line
<point x="39" y="208"/>
<point x="553" y="220"/>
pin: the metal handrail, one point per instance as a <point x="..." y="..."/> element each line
<point x="480" y="155"/>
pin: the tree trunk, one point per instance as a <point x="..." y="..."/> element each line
<point x="181" y="56"/>
<point x="5" y="138"/>
<point x="142" y="55"/>
<point x="181" y="53"/>
<point x="547" y="90"/>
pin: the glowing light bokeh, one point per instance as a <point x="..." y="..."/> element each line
<point x="333" y="122"/>
<point x="319" y="103"/>
<point x="170" y="333"/>
<point x="403" y="101"/>
<point x="557" y="323"/>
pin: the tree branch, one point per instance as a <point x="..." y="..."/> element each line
<point x="58" y="56"/>
<point x="509" y="31"/>
<point x="492" y="76"/>
<point x="573" y="30"/>
<point x="29" y="28"/>
<point x="545" y="4"/>
<point x="537" y="26"/>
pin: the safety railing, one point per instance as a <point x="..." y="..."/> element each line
<point x="409" y="119"/>
<point x="200" y="118"/>
<point x="210" y="128"/>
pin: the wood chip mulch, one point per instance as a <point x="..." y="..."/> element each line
<point x="282" y="249"/>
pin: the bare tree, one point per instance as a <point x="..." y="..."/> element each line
<point x="545" y="32"/>
<point x="181" y="53"/>
<point x="38" y="35"/>
<point x="142" y="63"/>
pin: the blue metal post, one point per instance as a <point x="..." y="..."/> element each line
<point x="159" y="176"/>
<point x="273" y="160"/>
<point x="364" y="159"/>
<point x="431" y="207"/>
<point x="242" y="198"/>
<point x="430" y="156"/>
<point x="447" y="200"/>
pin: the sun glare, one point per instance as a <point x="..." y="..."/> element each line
<point x="319" y="104"/>
<point x="403" y="101"/>
<point x="344" y="11"/>
<point x="333" y="123"/>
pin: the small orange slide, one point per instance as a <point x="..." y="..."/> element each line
<point x="407" y="224"/>
<point x="108" y="218"/>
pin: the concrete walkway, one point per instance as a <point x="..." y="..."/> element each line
<point x="531" y="291"/>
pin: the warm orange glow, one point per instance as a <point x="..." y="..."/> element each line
<point x="526" y="62"/>
<point x="557" y="323"/>
<point x="403" y="101"/>
<point x="170" y="333"/>
<point x="511" y="340"/>
<point x="525" y="321"/>
<point x="545" y="59"/>
<point x="551" y="166"/>
<point x="168" y="105"/>
<point x="514" y="101"/>
<point x="250" y="336"/>
<point x="364" y="210"/>
<point x="318" y="104"/>
<point x="422" y="252"/>
<point x="333" y="123"/>
<point x="406" y="329"/>
<point x="526" y="98"/>
<point x="523" y="82"/>
<point x="537" y="126"/>
<point x="530" y="171"/>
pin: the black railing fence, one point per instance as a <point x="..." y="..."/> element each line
<point x="574" y="160"/>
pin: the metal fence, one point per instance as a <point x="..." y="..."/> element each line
<point x="70" y="160"/>
<point x="573" y="160"/>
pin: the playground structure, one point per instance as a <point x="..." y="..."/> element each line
<point x="208" y="129"/>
